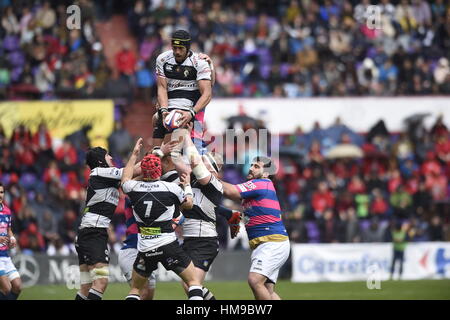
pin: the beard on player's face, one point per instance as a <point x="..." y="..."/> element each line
<point x="254" y="174"/>
<point x="180" y="53"/>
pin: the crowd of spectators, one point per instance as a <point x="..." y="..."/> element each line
<point x="46" y="186"/>
<point x="287" y="48"/>
<point x="302" y="48"/>
<point x="41" y="58"/>
<point x="400" y="177"/>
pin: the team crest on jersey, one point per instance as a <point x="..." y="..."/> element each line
<point x="186" y="73"/>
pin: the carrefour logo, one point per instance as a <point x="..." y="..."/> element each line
<point x="310" y="264"/>
<point x="442" y="262"/>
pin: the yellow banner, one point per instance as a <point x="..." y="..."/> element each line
<point x="62" y="117"/>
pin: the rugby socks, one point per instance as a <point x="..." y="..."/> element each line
<point x="80" y="296"/>
<point x="195" y="293"/>
<point x="94" y="295"/>
<point x="207" y="295"/>
<point x="9" y="296"/>
<point x="133" y="297"/>
<point x="12" y="296"/>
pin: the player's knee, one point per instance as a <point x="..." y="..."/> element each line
<point x="254" y="280"/>
<point x="16" y="287"/>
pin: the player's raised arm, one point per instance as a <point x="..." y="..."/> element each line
<point x="230" y="191"/>
<point x="188" y="202"/>
<point x="129" y="168"/>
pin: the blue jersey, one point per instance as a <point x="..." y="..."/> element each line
<point x="262" y="212"/>
<point x="5" y="224"/>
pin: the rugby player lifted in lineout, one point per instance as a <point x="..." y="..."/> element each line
<point x="185" y="80"/>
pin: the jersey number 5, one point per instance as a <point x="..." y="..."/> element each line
<point x="149" y="205"/>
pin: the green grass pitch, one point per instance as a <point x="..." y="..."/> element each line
<point x="399" y="290"/>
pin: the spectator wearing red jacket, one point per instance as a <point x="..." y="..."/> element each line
<point x="32" y="239"/>
<point x="52" y="173"/>
<point x="322" y="199"/>
<point x="356" y="185"/>
<point x="395" y="180"/>
<point x="73" y="187"/>
<point x="42" y="146"/>
<point x="67" y="156"/>
<point x="22" y="151"/>
<point x="430" y="165"/>
<point x="379" y="206"/>
<point x="126" y="61"/>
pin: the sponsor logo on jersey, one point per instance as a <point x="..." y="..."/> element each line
<point x="150" y="231"/>
<point x="152" y="254"/>
<point x="247" y="186"/>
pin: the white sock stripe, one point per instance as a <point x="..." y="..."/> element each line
<point x="97" y="293"/>
<point x="195" y="287"/>
<point x="81" y="295"/>
<point x="196" y="298"/>
<point x="134" y="296"/>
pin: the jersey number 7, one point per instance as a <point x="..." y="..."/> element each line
<point x="149" y="205"/>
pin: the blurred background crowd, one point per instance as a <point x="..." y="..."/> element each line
<point x="334" y="184"/>
<point x="291" y="49"/>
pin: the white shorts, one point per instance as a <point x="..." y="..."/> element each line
<point x="269" y="257"/>
<point x="7" y="268"/>
<point x="126" y="261"/>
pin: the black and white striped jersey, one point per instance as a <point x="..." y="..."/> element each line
<point x="102" y="197"/>
<point x="171" y="176"/>
<point x="200" y="221"/>
<point x="182" y="87"/>
<point x="154" y="205"/>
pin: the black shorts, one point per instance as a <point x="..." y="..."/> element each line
<point x="171" y="256"/>
<point x="202" y="251"/>
<point x="92" y="246"/>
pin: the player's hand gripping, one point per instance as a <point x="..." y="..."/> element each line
<point x="137" y="147"/>
<point x="185" y="118"/>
